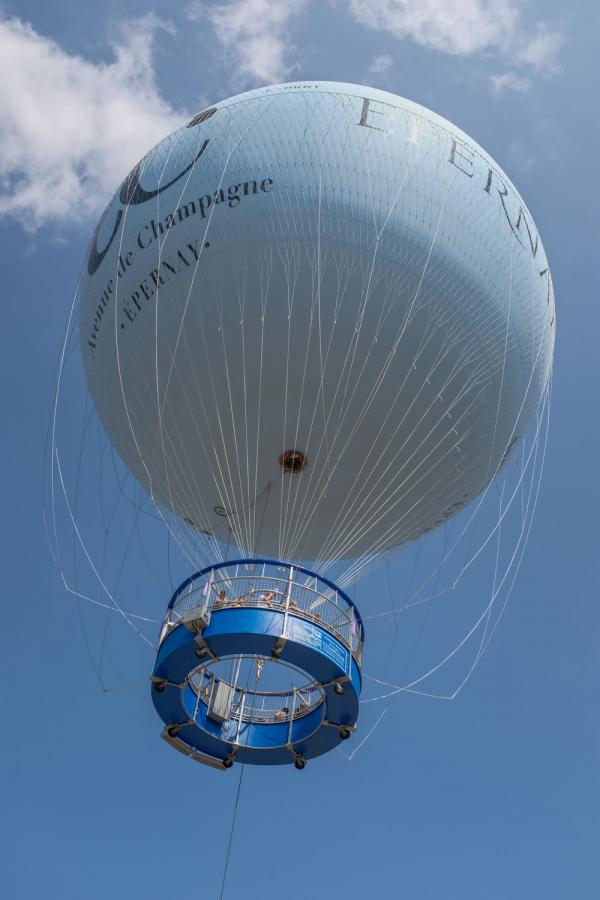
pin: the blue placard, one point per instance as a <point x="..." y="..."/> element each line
<point x="320" y="640"/>
<point x="334" y="650"/>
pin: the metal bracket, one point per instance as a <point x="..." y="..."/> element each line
<point x="278" y="648"/>
<point x="162" y="683"/>
<point x="202" y="645"/>
<point x="338" y="725"/>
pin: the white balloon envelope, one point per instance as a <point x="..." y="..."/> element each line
<point x="316" y="320"/>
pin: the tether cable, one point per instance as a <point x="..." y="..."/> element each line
<point x="235" y="809"/>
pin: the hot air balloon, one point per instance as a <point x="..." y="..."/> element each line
<point x="315" y="322"/>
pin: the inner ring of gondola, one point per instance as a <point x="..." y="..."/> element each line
<point x="286" y="691"/>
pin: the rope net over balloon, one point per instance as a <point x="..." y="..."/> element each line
<point x="319" y="355"/>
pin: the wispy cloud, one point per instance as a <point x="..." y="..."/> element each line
<point x="253" y="35"/>
<point x="540" y="50"/>
<point x="71" y="129"/>
<point x="381" y="64"/>
<point x="510" y="81"/>
<point x="463" y="27"/>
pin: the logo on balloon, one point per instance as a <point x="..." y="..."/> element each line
<point x="131" y="193"/>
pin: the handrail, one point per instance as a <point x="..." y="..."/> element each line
<point x="270" y="591"/>
<point x="268" y="710"/>
<point x="279" y="564"/>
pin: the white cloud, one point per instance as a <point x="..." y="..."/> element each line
<point x="72" y="129"/>
<point x="510" y="81"/>
<point x="381" y="64"/>
<point x="254" y="34"/>
<point x="540" y="51"/>
<point x="462" y="27"/>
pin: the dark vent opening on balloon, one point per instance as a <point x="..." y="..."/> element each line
<point x="202" y="117"/>
<point x="293" y="462"/>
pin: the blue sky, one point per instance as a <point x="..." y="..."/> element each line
<point x="493" y="795"/>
